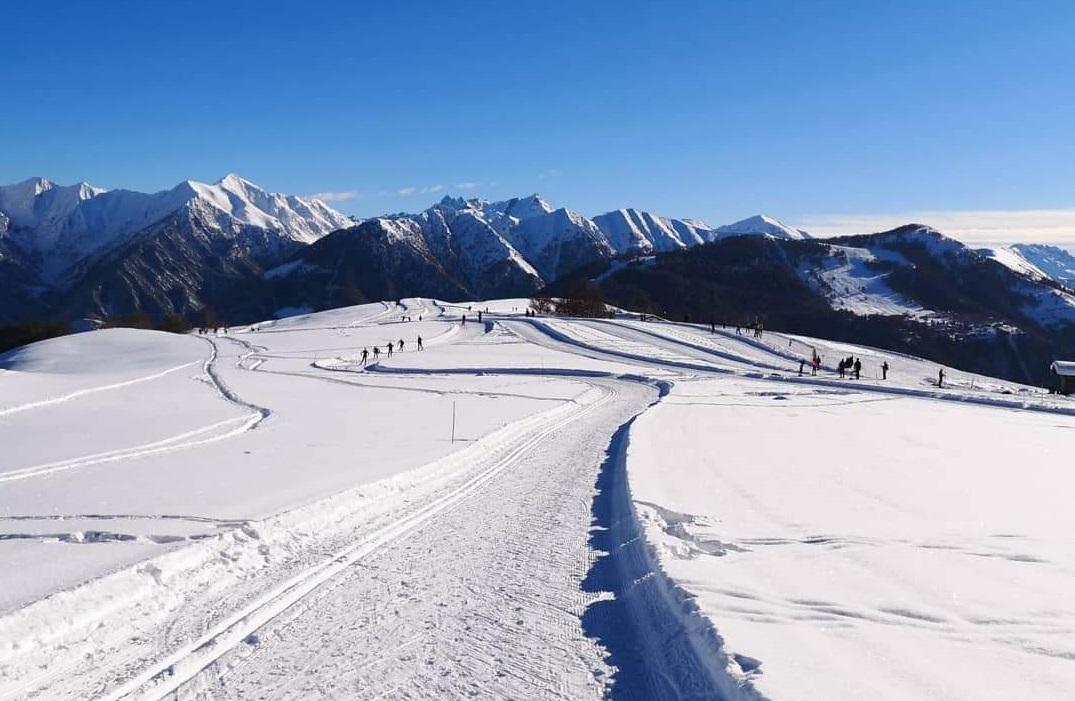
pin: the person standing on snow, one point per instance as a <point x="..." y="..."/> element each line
<point x="858" y="368"/>
<point x="884" y="370"/>
<point x="365" y="355"/>
<point x="419" y="343"/>
<point x="940" y="377"/>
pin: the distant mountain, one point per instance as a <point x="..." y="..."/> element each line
<point x="1037" y="260"/>
<point x="79" y="250"/>
<point x="764" y="225"/>
<point x="634" y="231"/>
<point x="470" y="249"/>
<point x="910" y="289"/>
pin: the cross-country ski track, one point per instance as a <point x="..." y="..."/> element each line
<point x="479" y="519"/>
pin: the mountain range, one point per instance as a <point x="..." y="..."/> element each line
<point x="81" y="251"/>
<point x="233" y="252"/>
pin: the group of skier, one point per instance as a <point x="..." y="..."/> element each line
<point x="389" y="349"/>
<point x="847" y="367"/>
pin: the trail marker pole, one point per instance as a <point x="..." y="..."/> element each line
<point x="453" y="421"/>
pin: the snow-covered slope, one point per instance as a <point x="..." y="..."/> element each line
<point x="1036" y="260"/>
<point x="761" y="224"/>
<point x="632" y="230"/>
<point x="64" y="225"/>
<point x="531" y="508"/>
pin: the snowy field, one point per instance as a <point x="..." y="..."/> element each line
<point x="525" y="508"/>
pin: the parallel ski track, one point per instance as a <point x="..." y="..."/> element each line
<point x="92" y="390"/>
<point x="199" y="436"/>
<point x="168" y="674"/>
<point x="559" y="340"/>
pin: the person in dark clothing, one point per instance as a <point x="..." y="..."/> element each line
<point x="419" y="343"/>
<point x="802" y="364"/>
<point x="858" y="368"/>
<point x="841" y="367"/>
<point x="884" y="370"/>
<point x="464" y="323"/>
<point x="389" y="349"/>
<point x="940" y="377"/>
<point x="365" y="355"/>
<point x="479" y="316"/>
<point x="401" y="345"/>
<point x="376" y="352"/>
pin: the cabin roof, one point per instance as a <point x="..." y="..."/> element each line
<point x="1063" y="367"/>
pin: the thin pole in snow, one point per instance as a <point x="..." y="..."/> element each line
<point x="453" y="421"/>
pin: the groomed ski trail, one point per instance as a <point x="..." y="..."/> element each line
<point x="160" y="679"/>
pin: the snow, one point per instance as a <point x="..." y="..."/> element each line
<point x="526" y="508"/>
<point x="66" y="224"/>
<point x="634" y="231"/>
<point x="761" y="224"/>
<point x="1037" y="260"/>
<point x="932" y="570"/>
<point x="1010" y="258"/>
<point x="852" y="285"/>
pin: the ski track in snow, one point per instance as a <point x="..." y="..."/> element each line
<point x="200" y="436"/>
<point x="432" y="617"/>
<point x="162" y="678"/>
<point x="92" y="390"/>
<point x="510" y="575"/>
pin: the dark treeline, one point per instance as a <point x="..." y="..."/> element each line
<point x="23" y="333"/>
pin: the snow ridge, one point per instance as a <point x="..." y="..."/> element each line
<point x="762" y="224"/>
<point x="66" y="224"/>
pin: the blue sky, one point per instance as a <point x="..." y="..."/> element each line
<point x="829" y="114"/>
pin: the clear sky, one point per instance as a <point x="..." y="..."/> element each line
<point x="833" y="115"/>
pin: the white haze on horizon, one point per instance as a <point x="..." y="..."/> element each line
<point x="976" y="228"/>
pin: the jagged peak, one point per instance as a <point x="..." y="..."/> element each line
<point x="460" y="203"/>
<point x="233" y="182"/>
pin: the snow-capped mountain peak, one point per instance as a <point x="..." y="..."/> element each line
<point x="64" y="225"/>
<point x="520" y="208"/>
<point x="762" y="224"/>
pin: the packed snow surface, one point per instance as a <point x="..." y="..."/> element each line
<point x="524" y="508"/>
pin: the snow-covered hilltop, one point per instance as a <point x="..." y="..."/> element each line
<point x="764" y="225"/>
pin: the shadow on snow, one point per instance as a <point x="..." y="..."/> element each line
<point x="659" y="644"/>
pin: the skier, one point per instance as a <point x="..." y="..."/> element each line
<point x="841" y="367"/>
<point x="401" y="345"/>
<point x="884" y="370"/>
<point x="802" y="364"/>
<point x="365" y="355"/>
<point x="940" y="377"/>
<point x="389" y="349"/>
<point x="464" y="323"/>
<point x="376" y="353"/>
<point x="858" y="368"/>
<point x="479" y="316"/>
<point x="419" y="343"/>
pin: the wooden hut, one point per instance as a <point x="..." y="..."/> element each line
<point x="1063" y="372"/>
